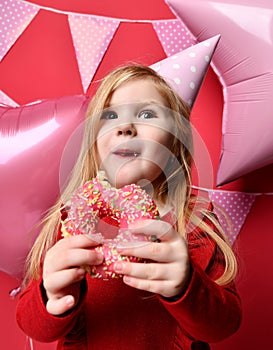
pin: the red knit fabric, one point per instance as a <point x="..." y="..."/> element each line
<point x="112" y="315"/>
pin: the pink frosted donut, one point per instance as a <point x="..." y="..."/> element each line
<point x="98" y="208"/>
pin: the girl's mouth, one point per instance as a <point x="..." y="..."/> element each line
<point x="126" y="153"/>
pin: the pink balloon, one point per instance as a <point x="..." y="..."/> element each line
<point x="243" y="62"/>
<point x="31" y="145"/>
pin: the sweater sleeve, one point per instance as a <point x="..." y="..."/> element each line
<point x="36" y="322"/>
<point x="206" y="311"/>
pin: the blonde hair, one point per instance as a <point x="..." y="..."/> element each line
<point x="177" y="185"/>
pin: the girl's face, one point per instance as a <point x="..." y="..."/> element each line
<point x="135" y="135"/>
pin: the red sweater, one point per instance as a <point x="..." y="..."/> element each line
<point x="112" y="315"/>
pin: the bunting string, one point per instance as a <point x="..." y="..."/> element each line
<point x="124" y="20"/>
<point x="231" y="208"/>
<point x="91" y="34"/>
<point x="227" y="191"/>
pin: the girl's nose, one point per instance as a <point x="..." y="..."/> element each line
<point x="126" y="130"/>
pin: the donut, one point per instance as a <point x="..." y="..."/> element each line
<point x="97" y="208"/>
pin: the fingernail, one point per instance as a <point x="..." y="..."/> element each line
<point x="99" y="257"/>
<point x="69" y="300"/>
<point x="127" y="279"/>
<point x="118" y="266"/>
<point x="80" y="273"/>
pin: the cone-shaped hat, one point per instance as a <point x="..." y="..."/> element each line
<point x="186" y="70"/>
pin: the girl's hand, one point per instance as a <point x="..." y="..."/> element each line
<point x="169" y="271"/>
<point x="62" y="271"/>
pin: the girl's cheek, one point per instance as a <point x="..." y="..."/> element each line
<point x="103" y="146"/>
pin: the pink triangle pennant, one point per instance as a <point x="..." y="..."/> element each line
<point x="15" y="16"/>
<point x="236" y="206"/>
<point x="91" y="38"/>
<point x="186" y="70"/>
<point x="6" y="100"/>
<point x="173" y="35"/>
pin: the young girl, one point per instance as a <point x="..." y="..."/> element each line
<point x="137" y="131"/>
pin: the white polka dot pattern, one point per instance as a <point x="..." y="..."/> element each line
<point x="91" y="38"/>
<point x="185" y="70"/>
<point x="173" y="35"/>
<point x="236" y="206"/>
<point x="15" y="16"/>
<point x="6" y="100"/>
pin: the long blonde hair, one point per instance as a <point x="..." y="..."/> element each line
<point x="176" y="187"/>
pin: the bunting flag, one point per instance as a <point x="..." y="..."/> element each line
<point x="232" y="209"/>
<point x="6" y="100"/>
<point x="91" y="34"/>
<point x="15" y="16"/>
<point x="91" y="37"/>
<point x="174" y="36"/>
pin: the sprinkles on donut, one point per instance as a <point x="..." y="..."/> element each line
<point x="98" y="205"/>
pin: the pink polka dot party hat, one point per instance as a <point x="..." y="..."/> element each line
<point x="185" y="71"/>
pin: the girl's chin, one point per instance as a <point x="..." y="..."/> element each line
<point x="124" y="178"/>
<point x="131" y="174"/>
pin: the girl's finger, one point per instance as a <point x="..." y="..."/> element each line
<point x="163" y="252"/>
<point x="155" y="229"/>
<point x="61" y="305"/>
<point x="165" y="288"/>
<point x="62" y="279"/>
<point x="153" y="251"/>
<point x="65" y="259"/>
<point x="150" y="271"/>
<point x="79" y="241"/>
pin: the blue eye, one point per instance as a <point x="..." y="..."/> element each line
<point x="109" y="115"/>
<point x="147" y="114"/>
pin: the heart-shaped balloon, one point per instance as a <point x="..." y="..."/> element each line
<point x="31" y="145"/>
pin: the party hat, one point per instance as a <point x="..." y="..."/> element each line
<point x="185" y="71"/>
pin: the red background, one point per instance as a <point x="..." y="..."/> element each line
<point x="42" y="64"/>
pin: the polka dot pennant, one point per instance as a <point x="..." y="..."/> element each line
<point x="185" y="70"/>
<point x="91" y="38"/>
<point x="6" y="100"/>
<point x="235" y="206"/>
<point x="173" y="35"/>
<point x="15" y="16"/>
